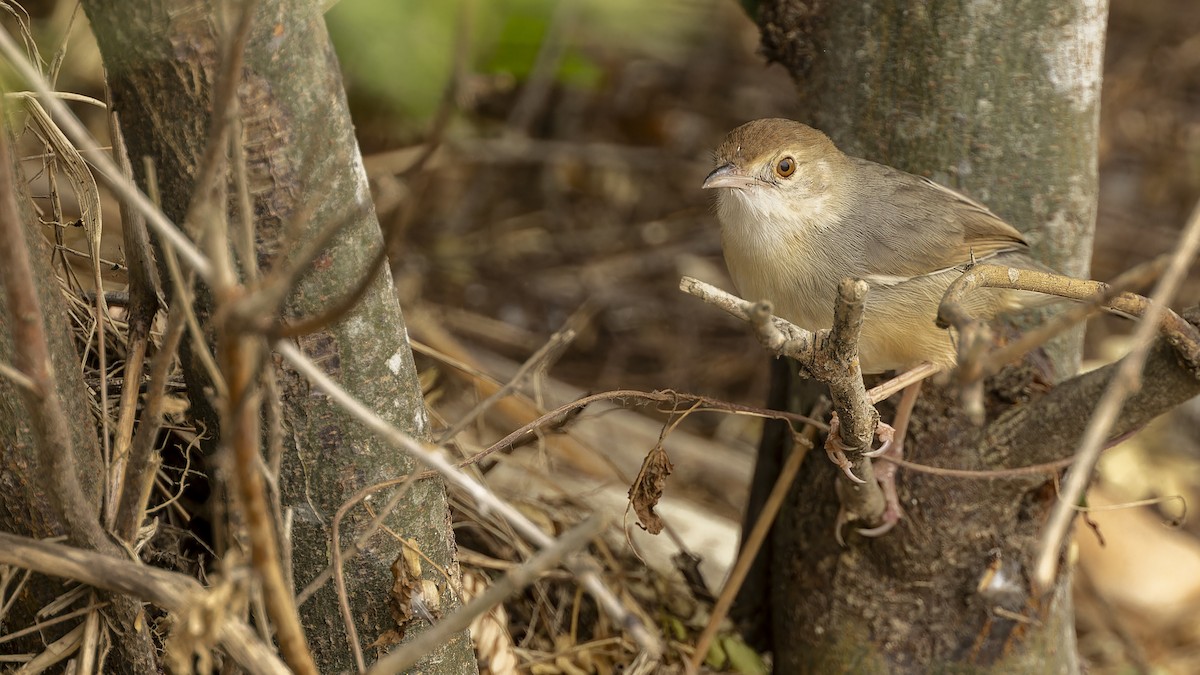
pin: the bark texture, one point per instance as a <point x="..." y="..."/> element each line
<point x="47" y="494"/>
<point x="24" y="508"/>
<point x="162" y="62"/>
<point x="999" y="100"/>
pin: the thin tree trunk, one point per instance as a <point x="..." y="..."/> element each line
<point x="162" y="63"/>
<point x="36" y="500"/>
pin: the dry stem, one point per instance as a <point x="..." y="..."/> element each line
<point x="1126" y="380"/>
<point x="830" y="356"/>
<point x="575" y="539"/>
<point x="174" y="592"/>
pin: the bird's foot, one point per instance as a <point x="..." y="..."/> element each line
<point x="836" y="450"/>
<point x="885" y="473"/>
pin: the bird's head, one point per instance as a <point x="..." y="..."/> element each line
<point x="777" y="173"/>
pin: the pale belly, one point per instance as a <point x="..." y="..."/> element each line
<point x="899" y="329"/>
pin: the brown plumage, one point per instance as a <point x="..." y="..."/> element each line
<point x="798" y="215"/>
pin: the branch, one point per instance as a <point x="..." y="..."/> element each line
<point x="400" y="660"/>
<point x="172" y="591"/>
<point x="1179" y="333"/>
<point x="1127" y="379"/>
<point x="830" y="356"/>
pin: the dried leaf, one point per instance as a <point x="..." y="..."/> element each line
<point x="647" y="488"/>
<point x="406" y="580"/>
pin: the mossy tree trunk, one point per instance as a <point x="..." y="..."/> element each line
<point x="162" y="61"/>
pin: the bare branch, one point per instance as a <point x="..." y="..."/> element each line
<point x="1126" y="380"/>
<point x="830" y="356"/>
<point x="174" y="592"/>
<point x="137" y="477"/>
<point x="1182" y="335"/>
<point x="400" y="660"/>
<point x="484" y="497"/>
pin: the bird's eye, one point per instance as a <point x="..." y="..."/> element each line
<point x="785" y="167"/>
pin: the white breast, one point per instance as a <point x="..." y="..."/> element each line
<point x="767" y="243"/>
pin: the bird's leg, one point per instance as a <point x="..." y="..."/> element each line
<point x="892" y="438"/>
<point x="902" y="381"/>
<point x="886" y="474"/>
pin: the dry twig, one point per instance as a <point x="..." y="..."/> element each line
<point x="1125" y="381"/>
<point x="830" y="356"/>
<point x="517" y="578"/>
<point x="174" y="592"/>
<point x="758" y="534"/>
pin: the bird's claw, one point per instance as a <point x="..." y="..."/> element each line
<point x="886" y="475"/>
<point x="836" y="451"/>
<point x="881" y="530"/>
<point x="886" y="434"/>
<point x="846" y="469"/>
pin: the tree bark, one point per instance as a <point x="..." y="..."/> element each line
<point x="162" y="63"/>
<point x="1001" y="101"/>
<point x="25" y="508"/>
<point x="49" y="452"/>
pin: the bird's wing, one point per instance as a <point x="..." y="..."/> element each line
<point x="921" y="228"/>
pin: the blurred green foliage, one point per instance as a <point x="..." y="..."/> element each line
<point x="400" y="53"/>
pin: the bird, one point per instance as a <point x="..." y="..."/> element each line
<point x="798" y="215"/>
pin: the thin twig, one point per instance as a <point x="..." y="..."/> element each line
<point x="663" y="396"/>
<point x="339" y="580"/>
<point x="142" y="305"/>
<point x="184" y="301"/>
<point x="548" y="352"/>
<point x="43" y="625"/>
<point x="757" y="535"/>
<point x="881" y="392"/>
<point x="54" y="652"/>
<point x="368" y="531"/>
<point x="517" y="578"/>
<point x="1125" y="381"/>
<point x="484" y="497"/>
<point x="139" y="473"/>
<point x="18" y="378"/>
<point x="177" y="593"/>
<point x="89" y="645"/>
<point x="339" y="307"/>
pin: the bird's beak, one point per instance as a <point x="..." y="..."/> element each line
<point x="728" y="176"/>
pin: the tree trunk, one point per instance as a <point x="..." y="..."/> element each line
<point x="162" y="63"/>
<point x="999" y="100"/>
<point x="28" y="505"/>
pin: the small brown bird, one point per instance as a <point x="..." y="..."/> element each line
<point x="798" y="216"/>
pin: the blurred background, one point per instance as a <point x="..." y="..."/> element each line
<point x="540" y="161"/>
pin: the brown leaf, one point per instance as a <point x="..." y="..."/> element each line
<point x="647" y="488"/>
<point x="406" y="579"/>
